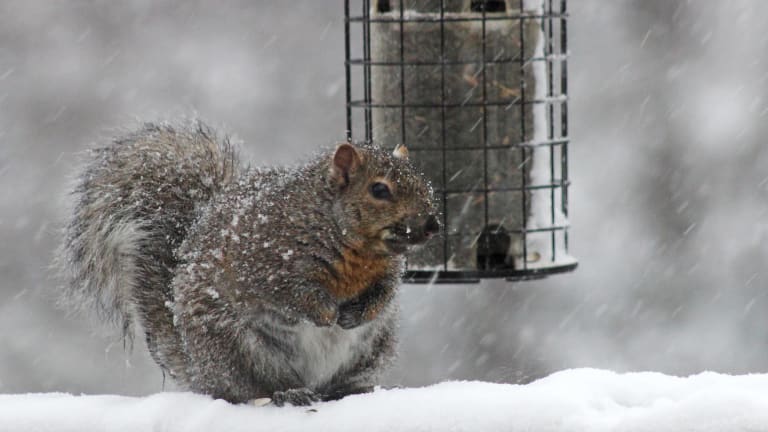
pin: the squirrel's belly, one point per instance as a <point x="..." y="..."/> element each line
<point x="322" y="351"/>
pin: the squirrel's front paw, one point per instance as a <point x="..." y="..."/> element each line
<point x="351" y="315"/>
<point x="323" y="310"/>
<point x="298" y="397"/>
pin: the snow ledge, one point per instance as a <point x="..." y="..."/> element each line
<point x="572" y="400"/>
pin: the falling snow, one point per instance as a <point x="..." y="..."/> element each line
<point x="668" y="208"/>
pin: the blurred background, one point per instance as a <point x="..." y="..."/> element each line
<point x="668" y="205"/>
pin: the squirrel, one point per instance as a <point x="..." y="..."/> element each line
<point x="248" y="283"/>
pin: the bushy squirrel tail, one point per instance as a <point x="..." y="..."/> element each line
<point x="134" y="203"/>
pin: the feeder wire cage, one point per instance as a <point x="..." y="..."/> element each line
<point x="477" y="92"/>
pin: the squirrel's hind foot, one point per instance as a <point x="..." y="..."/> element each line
<point x="297" y="397"/>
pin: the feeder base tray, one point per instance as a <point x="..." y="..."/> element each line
<point x="467" y="276"/>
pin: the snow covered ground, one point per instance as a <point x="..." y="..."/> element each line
<point x="572" y="400"/>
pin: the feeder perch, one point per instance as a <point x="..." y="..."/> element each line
<point x="477" y="92"/>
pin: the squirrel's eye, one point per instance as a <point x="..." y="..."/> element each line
<point x="380" y="191"/>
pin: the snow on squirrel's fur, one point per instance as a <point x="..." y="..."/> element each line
<point x="573" y="400"/>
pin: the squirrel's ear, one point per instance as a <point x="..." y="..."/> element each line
<point x="346" y="160"/>
<point x="401" y="152"/>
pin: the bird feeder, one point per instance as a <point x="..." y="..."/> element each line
<point x="477" y="92"/>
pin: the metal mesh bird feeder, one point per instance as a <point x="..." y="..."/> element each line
<point x="477" y="91"/>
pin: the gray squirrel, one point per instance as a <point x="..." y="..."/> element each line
<point x="248" y="283"/>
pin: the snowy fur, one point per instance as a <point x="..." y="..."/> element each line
<point x="244" y="283"/>
<point x="107" y="270"/>
<point x="115" y="246"/>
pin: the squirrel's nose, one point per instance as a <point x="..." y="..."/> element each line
<point x="431" y="226"/>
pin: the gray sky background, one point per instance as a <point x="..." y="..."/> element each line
<point x="668" y="162"/>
